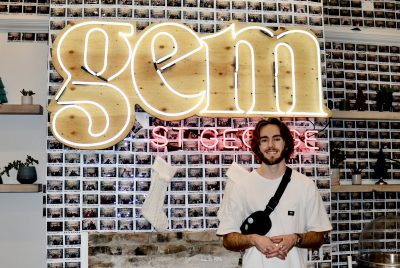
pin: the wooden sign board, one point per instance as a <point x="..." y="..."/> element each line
<point x="173" y="73"/>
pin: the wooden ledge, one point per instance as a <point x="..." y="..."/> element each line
<point x="365" y="115"/>
<point x="366" y="188"/>
<point x="34" y="109"/>
<point x="20" y="188"/>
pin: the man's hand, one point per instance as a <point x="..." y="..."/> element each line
<point x="283" y="244"/>
<point x="268" y="247"/>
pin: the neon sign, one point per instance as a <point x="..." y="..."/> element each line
<point x="174" y="73"/>
<point x="228" y="138"/>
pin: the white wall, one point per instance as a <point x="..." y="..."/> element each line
<point x="22" y="226"/>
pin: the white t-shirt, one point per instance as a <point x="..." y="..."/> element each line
<point x="300" y="210"/>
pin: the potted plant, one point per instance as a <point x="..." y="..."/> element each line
<point x="356" y="175"/>
<point x="26" y="97"/>
<point x="384" y="98"/>
<point x="26" y="171"/>
<point x="336" y="157"/>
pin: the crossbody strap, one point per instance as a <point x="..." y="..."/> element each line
<point x="273" y="202"/>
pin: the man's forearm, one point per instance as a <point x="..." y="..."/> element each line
<point x="312" y="239"/>
<point x="237" y="241"/>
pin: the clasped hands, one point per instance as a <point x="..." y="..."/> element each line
<point x="276" y="246"/>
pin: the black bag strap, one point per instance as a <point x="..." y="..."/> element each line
<point x="273" y="202"/>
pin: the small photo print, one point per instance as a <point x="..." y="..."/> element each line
<point x="72" y="185"/>
<point x="89" y="224"/>
<point x="14" y="36"/>
<point x="72" y="226"/>
<point x="54" y="185"/>
<point x="72" y="212"/>
<point x="127" y="225"/>
<point x="55" y="240"/>
<point x="42" y="37"/>
<point x="91" y="159"/>
<point x="107" y="186"/>
<point x="106" y="212"/>
<point x="126" y="186"/>
<point x="55" y="226"/>
<point x="72" y="253"/>
<point x="107" y="225"/>
<point x="55" y="253"/>
<point x="72" y="239"/>
<point x="90" y="172"/>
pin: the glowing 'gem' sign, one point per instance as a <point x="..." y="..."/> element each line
<point x="174" y="73"/>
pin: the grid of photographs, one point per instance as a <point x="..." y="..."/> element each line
<point x="350" y="213"/>
<point x="358" y="66"/>
<point x="104" y="190"/>
<point x="359" y="13"/>
<point x="27" y="37"/>
<point x="27" y="7"/>
<point x="361" y="141"/>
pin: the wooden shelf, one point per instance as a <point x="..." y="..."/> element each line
<point x="365" y="115"/>
<point x="34" y="109"/>
<point x="20" y="188"/>
<point x="366" y="188"/>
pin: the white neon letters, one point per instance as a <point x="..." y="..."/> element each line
<point x="174" y="73"/>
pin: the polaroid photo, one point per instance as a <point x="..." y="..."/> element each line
<point x="72" y="185"/>
<point x="14" y="36"/>
<point x="141" y="224"/>
<point x="195" y="172"/>
<point x="108" y="172"/>
<point x="211" y="223"/>
<point x="55" y="253"/>
<point x="89" y="224"/>
<point x="211" y="172"/>
<point x="107" y="199"/>
<point x="54" y="213"/>
<point x="213" y="186"/>
<point x="142" y="186"/>
<point x="55" y="240"/>
<point x="177" y="186"/>
<point x="196" y="223"/>
<point x="107" y="212"/>
<point x="177" y="199"/>
<point x="54" y="226"/>
<point x="72" y="212"/>
<point x="124" y="212"/>
<point x="126" y="159"/>
<point x="108" y="225"/>
<point x="54" y="199"/>
<point x="90" y="213"/>
<point x="180" y="173"/>
<point x="195" y="212"/>
<point x="195" y="186"/>
<point x="90" y="199"/>
<point x="143" y="172"/>
<point x="126" y="172"/>
<point x="72" y="226"/>
<point x="107" y="186"/>
<point x="178" y="212"/>
<point x="54" y="185"/>
<point x="72" y="171"/>
<point x="125" y="199"/>
<point x="90" y="172"/>
<point x="195" y="199"/>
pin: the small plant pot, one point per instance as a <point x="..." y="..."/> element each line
<point x="356" y="179"/>
<point x="26" y="100"/>
<point x="26" y="175"/>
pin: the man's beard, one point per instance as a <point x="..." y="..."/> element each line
<point x="273" y="161"/>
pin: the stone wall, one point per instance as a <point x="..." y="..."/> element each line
<point x="202" y="249"/>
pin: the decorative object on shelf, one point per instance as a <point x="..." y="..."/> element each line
<point x="356" y="175"/>
<point x="26" y="171"/>
<point x="27" y="96"/>
<point x="3" y="97"/>
<point x="337" y="157"/>
<point x="380" y="169"/>
<point x="384" y="98"/>
<point x="361" y="104"/>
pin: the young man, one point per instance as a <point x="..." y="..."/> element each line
<point x="299" y="221"/>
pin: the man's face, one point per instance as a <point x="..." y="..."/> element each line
<point x="271" y="145"/>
